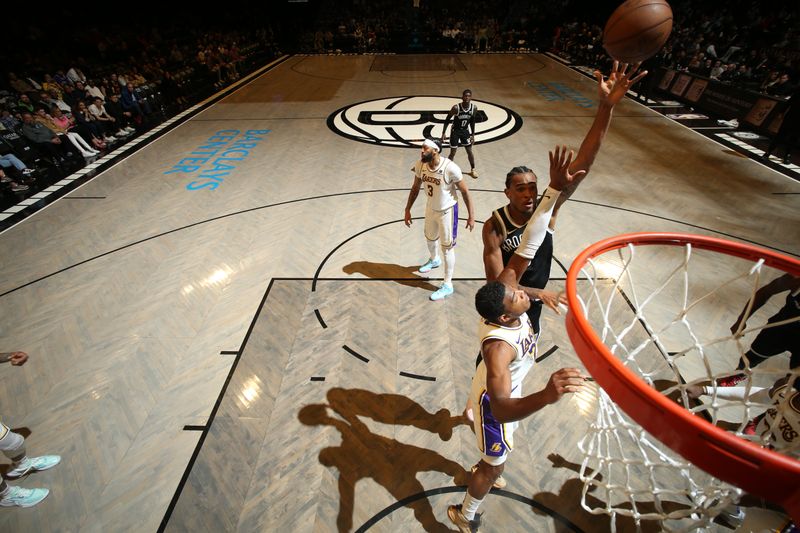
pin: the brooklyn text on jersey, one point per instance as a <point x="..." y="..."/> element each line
<point x="405" y="121"/>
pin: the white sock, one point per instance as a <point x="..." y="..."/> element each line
<point x="433" y="249"/>
<point x="449" y="265"/>
<point x="470" y="506"/>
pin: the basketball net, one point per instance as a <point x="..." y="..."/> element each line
<point x="666" y="319"/>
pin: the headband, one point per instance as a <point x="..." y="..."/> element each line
<point x="431" y="144"/>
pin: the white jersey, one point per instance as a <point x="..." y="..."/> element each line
<point x="522" y="339"/>
<point x="439" y="184"/>
<point x="780" y="425"/>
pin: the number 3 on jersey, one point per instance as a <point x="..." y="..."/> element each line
<point x="429" y="188"/>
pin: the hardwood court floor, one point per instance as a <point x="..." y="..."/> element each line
<point x="125" y="303"/>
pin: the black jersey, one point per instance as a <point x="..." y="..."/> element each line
<point x="463" y="117"/>
<point x="538" y="272"/>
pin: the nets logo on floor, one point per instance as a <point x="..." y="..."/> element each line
<point x="405" y="121"/>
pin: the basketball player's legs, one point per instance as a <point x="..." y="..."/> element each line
<point x="431" y="231"/>
<point x="769" y="343"/>
<point x="13" y="446"/>
<point x="453" y="150"/>
<point x="448" y="228"/>
<point x="471" y="158"/>
<point x="492" y="438"/>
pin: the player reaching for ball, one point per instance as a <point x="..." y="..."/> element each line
<point x="502" y="231"/>
<point x="508" y="337"/>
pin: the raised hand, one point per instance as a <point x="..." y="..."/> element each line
<point x="553" y="299"/>
<point x="694" y="391"/>
<point x="613" y="88"/>
<point x="560" y="160"/>
<point x="561" y="382"/>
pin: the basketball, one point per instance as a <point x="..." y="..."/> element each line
<point x="637" y="30"/>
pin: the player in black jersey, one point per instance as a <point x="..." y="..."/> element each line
<point x="521" y="190"/>
<point x="501" y="237"/>
<point x="463" y="132"/>
<point x="501" y="233"/>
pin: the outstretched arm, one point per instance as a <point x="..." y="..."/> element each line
<point x="497" y="355"/>
<point x="610" y="92"/>
<point x="787" y="282"/>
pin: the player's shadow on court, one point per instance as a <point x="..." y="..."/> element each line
<point x="404" y="275"/>
<point x="389" y="462"/>
<point x="567" y="503"/>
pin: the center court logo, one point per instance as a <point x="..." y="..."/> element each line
<point x="404" y="121"/>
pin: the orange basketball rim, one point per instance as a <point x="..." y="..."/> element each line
<point x="732" y="459"/>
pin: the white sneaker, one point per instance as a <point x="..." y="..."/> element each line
<point x="22" y="497"/>
<point x="445" y="290"/>
<point x="129" y="129"/>
<point x="429" y="265"/>
<point x="33" y="464"/>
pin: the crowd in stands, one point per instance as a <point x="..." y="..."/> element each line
<point x="751" y="44"/>
<point x="426" y="26"/>
<point x="64" y="106"/>
<point x="58" y="114"/>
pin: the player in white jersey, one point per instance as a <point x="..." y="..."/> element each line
<point x="779" y="425"/>
<point x="439" y="178"/>
<point x="508" y="348"/>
